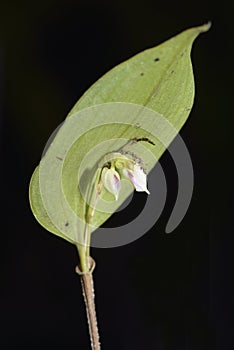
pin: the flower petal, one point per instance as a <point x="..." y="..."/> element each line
<point x="138" y="178"/>
<point x="111" y="181"/>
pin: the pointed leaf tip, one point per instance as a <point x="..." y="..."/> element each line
<point x="205" y="27"/>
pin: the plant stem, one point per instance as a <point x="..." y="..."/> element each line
<point x="88" y="293"/>
<point x="87" y="265"/>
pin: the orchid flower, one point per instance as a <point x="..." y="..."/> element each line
<point x="111" y="181"/>
<point x="137" y="177"/>
<point x="122" y="167"/>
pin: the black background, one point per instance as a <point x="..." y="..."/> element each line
<point x="162" y="292"/>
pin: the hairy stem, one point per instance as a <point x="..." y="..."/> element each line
<point x="88" y="293"/>
<point x="87" y="264"/>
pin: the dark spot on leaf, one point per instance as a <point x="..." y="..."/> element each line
<point x="142" y="74"/>
<point x="172" y="71"/>
<point x="67" y="224"/>
<point x="145" y="139"/>
<point x="137" y="125"/>
<point x="59" y="158"/>
<point x="156" y="59"/>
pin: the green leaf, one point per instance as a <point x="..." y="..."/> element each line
<point x="149" y="96"/>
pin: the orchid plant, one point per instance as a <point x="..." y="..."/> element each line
<point x="109" y="142"/>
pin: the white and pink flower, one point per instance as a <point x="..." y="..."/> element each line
<point x="111" y="181"/>
<point x="137" y="177"/>
<point x="122" y="167"/>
